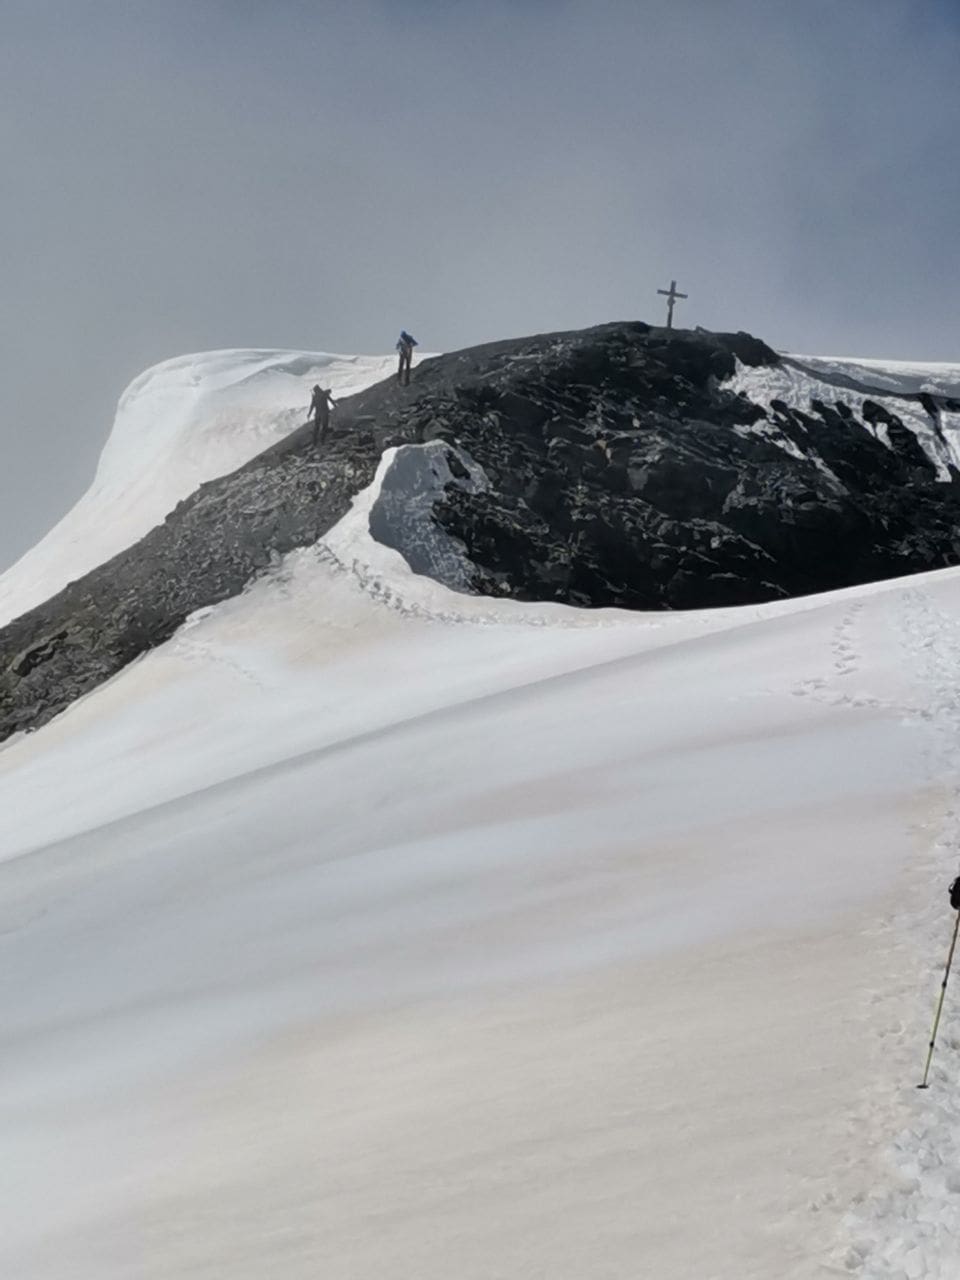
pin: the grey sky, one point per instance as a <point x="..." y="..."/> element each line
<point x="188" y="174"/>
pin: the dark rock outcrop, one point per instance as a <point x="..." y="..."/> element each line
<point x="602" y="467"/>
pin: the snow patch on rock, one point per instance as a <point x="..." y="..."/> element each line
<point x="801" y="380"/>
<point x="401" y="516"/>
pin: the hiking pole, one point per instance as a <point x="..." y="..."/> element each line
<point x="955" y="903"/>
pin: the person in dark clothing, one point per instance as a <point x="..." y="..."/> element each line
<point x="320" y="406"/>
<point x="405" y="345"/>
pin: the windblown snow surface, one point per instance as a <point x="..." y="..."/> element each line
<point x="366" y="929"/>
<point x="182" y="422"/>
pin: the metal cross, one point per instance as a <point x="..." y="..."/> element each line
<point x="671" y="295"/>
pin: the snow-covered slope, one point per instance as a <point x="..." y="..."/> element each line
<point x="801" y="380"/>
<point x="369" y="929"/>
<point x="898" y="377"/>
<point x="182" y="422"/>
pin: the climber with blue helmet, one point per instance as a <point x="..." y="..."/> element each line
<point x="405" y="345"/>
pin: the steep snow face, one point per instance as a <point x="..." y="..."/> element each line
<point x="179" y="424"/>
<point x="801" y="380"/>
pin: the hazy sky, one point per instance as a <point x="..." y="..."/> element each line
<point x="189" y="174"/>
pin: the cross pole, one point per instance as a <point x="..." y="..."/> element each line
<point x="671" y="296"/>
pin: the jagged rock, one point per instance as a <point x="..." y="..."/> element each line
<point x="35" y="654"/>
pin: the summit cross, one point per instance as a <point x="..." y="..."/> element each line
<point x="671" y="296"/>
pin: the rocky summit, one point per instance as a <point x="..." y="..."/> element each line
<point x="623" y="465"/>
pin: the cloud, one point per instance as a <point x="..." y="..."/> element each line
<point x="224" y="172"/>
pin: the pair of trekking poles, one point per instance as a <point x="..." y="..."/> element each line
<point x="955" y="903"/>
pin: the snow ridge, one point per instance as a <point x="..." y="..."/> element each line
<point x="179" y="424"/>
